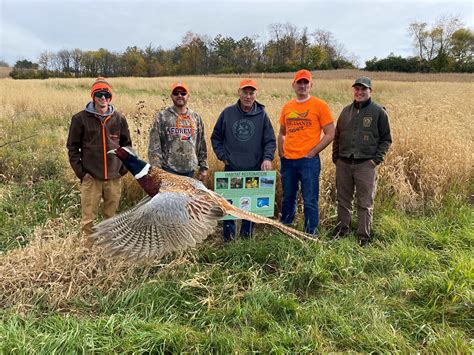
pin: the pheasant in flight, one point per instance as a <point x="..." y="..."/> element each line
<point x="179" y="212"/>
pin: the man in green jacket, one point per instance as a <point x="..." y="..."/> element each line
<point x="361" y="141"/>
<point x="94" y="131"/>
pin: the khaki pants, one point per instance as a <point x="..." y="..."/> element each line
<point x="363" y="178"/>
<point x="92" y="192"/>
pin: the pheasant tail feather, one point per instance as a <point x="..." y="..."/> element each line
<point x="239" y="213"/>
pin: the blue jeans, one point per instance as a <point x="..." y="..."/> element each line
<point x="246" y="227"/>
<point x="306" y="172"/>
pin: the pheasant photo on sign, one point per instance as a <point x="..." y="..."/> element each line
<point x="179" y="212"/>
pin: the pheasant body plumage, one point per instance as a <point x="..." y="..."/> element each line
<point x="178" y="213"/>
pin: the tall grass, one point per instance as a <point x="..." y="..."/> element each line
<point x="411" y="291"/>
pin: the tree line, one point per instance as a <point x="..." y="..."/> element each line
<point x="288" y="49"/>
<point x="445" y="46"/>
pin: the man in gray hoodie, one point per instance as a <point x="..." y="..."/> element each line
<point x="244" y="139"/>
<point x="94" y="131"/>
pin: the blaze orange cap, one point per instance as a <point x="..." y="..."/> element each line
<point x="181" y="85"/>
<point x="302" y="74"/>
<point x="248" y="83"/>
<point x="100" y="84"/>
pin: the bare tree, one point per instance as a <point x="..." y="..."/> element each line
<point x="420" y="34"/>
<point x="64" y="59"/>
<point x="76" y="58"/>
<point x="44" y="60"/>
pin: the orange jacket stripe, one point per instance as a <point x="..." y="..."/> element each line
<point x="104" y="144"/>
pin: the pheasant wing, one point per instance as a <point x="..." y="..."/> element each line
<point x="170" y="221"/>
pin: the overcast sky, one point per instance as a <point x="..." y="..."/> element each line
<point x="365" y="28"/>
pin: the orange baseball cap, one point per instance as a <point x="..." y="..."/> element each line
<point x="180" y="84"/>
<point x="248" y="83"/>
<point x="100" y="84"/>
<point x="302" y="74"/>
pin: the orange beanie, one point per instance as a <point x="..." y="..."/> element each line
<point x="100" y="84"/>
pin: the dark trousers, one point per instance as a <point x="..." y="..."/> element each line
<point x="304" y="171"/>
<point x="229" y="230"/>
<point x="362" y="178"/>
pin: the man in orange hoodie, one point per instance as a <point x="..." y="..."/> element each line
<point x="302" y="120"/>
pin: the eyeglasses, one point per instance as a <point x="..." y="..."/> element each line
<point x="99" y="94"/>
<point x="179" y="93"/>
<point x="247" y="92"/>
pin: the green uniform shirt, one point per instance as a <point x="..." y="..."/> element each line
<point x="362" y="133"/>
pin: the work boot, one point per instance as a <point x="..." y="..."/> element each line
<point x="363" y="240"/>
<point x="339" y="233"/>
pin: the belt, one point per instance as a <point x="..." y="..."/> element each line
<point x="352" y="160"/>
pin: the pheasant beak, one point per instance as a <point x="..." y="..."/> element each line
<point x="113" y="151"/>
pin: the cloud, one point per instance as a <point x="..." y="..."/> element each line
<point x="365" y="28"/>
<point x="19" y="43"/>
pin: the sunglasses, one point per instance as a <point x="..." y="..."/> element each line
<point x="102" y="93"/>
<point x="179" y="93"/>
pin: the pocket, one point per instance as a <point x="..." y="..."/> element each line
<point x="367" y="143"/>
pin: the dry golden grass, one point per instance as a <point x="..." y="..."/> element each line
<point x="53" y="271"/>
<point x="432" y="129"/>
<point x="351" y="74"/>
<point x="432" y="122"/>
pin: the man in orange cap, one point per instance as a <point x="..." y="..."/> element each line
<point x="177" y="141"/>
<point x="243" y="138"/>
<point x="302" y="120"/>
<point x="94" y="131"/>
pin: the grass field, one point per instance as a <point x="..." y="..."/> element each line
<point x="410" y="291"/>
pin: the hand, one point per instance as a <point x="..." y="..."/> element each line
<point x="266" y="165"/>
<point x="310" y="155"/>
<point x="87" y="177"/>
<point x="202" y="175"/>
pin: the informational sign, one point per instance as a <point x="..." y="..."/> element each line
<point x="252" y="191"/>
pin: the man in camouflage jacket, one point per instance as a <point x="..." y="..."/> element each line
<point x="177" y="141"/>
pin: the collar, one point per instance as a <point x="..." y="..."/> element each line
<point x="364" y="104"/>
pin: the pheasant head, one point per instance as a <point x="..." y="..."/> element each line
<point x="129" y="159"/>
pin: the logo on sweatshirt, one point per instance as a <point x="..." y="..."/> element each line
<point x="184" y="133"/>
<point x="243" y="130"/>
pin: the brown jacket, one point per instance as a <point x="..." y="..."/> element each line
<point x="90" y="139"/>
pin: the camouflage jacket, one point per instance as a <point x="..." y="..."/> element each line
<point x="177" y="141"/>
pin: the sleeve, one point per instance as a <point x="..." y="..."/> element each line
<point x="325" y="115"/>
<point x="335" y="142"/>
<point x="155" y="154"/>
<point x="269" y="141"/>
<point x="74" y="145"/>
<point x="385" y="136"/>
<point x="201" y="146"/>
<point x="282" y="117"/>
<point x="217" y="138"/>
<point x="125" y="141"/>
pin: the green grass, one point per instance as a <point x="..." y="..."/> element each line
<point x="410" y="291"/>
